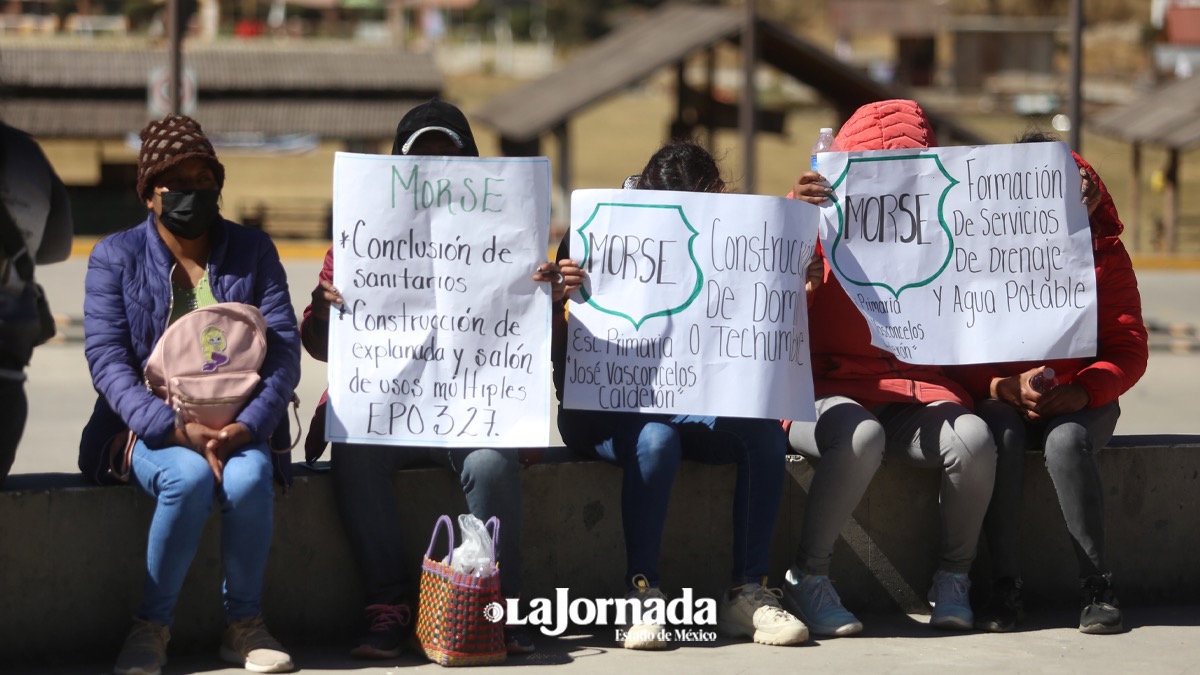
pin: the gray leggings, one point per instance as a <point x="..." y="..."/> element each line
<point x="851" y="441"/>
<point x="1070" y="443"/>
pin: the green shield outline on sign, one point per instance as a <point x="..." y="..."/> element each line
<point x="637" y="323"/>
<point x="941" y="220"/>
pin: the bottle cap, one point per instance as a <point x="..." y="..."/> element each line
<point x="1048" y="373"/>
<point x="826" y="130"/>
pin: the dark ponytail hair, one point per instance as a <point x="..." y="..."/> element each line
<point x="682" y="166"/>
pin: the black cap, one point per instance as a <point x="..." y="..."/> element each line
<point x="434" y="115"/>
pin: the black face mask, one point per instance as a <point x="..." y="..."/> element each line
<point x="190" y="214"/>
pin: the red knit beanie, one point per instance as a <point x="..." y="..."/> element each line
<point x="898" y="124"/>
<point x="166" y="143"/>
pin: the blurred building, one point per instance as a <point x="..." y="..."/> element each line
<point x="261" y="96"/>
<point x="1179" y="53"/>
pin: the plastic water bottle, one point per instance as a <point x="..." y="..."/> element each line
<point x="1043" y="381"/>
<point x="824" y="144"/>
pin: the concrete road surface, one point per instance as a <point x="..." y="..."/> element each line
<point x="1161" y="640"/>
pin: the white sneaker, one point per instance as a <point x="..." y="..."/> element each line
<point x="755" y="613"/>
<point x="645" y="635"/>
<point x="247" y="643"/>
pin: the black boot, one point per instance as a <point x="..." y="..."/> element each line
<point x="1005" y="608"/>
<point x="1101" y="612"/>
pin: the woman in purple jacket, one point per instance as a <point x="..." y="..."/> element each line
<point x="139" y="281"/>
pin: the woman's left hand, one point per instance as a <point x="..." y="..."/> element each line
<point x="228" y="441"/>
<point x="808" y="188"/>
<point x="549" y="272"/>
<point x="1061" y="400"/>
<point x="573" y="274"/>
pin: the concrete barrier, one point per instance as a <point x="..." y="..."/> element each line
<point x="71" y="562"/>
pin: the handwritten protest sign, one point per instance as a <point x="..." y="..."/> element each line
<point x="694" y="304"/>
<point x="964" y="255"/>
<point x="443" y="338"/>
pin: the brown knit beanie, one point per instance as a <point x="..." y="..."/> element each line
<point x="168" y="142"/>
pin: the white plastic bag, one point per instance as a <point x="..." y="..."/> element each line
<point x="474" y="554"/>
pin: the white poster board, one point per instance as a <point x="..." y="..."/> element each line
<point x="964" y="255"/>
<point x="694" y="304"/>
<point x="444" y="336"/>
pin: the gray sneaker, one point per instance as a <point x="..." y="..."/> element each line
<point x="817" y="604"/>
<point x="950" y="597"/>
<point x="248" y="644"/>
<point x="145" y="649"/>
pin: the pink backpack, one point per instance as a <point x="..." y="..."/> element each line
<point x="206" y="363"/>
<point x="206" y="366"/>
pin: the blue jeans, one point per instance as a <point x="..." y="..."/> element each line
<point x="366" y="499"/>
<point x="183" y="484"/>
<point x="649" y="448"/>
<point x="1070" y="443"/>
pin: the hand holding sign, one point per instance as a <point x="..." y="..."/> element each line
<point x="812" y="187"/>
<point x="323" y="296"/>
<point x="573" y="276"/>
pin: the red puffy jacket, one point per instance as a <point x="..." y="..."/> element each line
<point x="1121" y="354"/>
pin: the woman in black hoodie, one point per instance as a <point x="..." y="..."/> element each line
<point x="362" y="475"/>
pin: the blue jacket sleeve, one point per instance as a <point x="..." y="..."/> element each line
<point x="280" y="371"/>
<point x="115" y="367"/>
